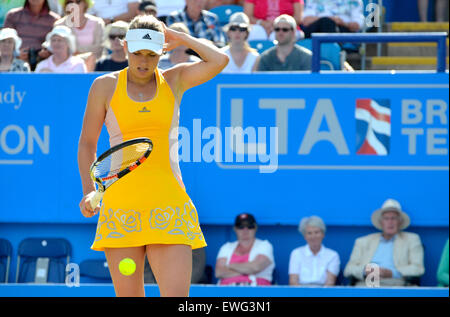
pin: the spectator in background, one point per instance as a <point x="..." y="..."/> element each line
<point x="148" y="7"/>
<point x="247" y="261"/>
<point x="313" y="264"/>
<point x="201" y="23"/>
<point x="286" y="55"/>
<point x="10" y="48"/>
<point x="330" y="16"/>
<point x="111" y="11"/>
<point x="117" y="60"/>
<point x="216" y="3"/>
<point x="442" y="272"/>
<point x="242" y="56"/>
<point x="62" y="45"/>
<point x="32" y="22"/>
<point x="88" y="30"/>
<point x="264" y="12"/>
<point x="179" y="54"/>
<point x="441" y="10"/>
<point x="395" y="253"/>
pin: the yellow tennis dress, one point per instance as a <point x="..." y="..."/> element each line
<point x="149" y="205"/>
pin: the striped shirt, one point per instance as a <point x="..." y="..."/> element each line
<point x="31" y="28"/>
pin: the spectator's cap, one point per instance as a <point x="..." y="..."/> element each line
<point x="118" y="26"/>
<point x="390" y="205"/>
<point x="286" y="19"/>
<point x="148" y="5"/>
<point x="244" y="218"/>
<point x="89" y="3"/>
<point x="145" y="39"/>
<point x="64" y="32"/>
<point x="8" y="33"/>
<point x="238" y="18"/>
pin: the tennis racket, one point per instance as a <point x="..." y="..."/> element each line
<point x="115" y="163"/>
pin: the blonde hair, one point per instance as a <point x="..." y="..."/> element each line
<point x="180" y="27"/>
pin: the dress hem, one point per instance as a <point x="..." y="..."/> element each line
<point x="102" y="248"/>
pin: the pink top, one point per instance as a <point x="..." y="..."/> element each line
<point x="73" y="64"/>
<point x="85" y="36"/>
<point x="270" y="9"/>
<point x="241" y="279"/>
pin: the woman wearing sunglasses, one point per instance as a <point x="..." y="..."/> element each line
<point x="242" y="56"/>
<point x="117" y="60"/>
<point x="247" y="261"/>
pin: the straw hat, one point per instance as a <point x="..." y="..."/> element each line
<point x="390" y="205"/>
<point x="89" y="3"/>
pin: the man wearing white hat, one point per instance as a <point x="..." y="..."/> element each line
<point x="391" y="254"/>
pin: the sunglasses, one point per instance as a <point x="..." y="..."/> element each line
<point x="282" y="29"/>
<point x="73" y="1"/>
<point x="237" y="28"/>
<point x="246" y="226"/>
<point x="112" y="37"/>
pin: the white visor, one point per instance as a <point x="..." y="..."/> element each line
<point x="145" y="39"/>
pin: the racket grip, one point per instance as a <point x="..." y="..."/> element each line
<point x="94" y="198"/>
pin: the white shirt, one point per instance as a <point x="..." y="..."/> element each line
<point x="73" y="64"/>
<point x="262" y="247"/>
<point x="246" y="66"/>
<point x="312" y="269"/>
<point x="166" y="7"/>
<point x="107" y="9"/>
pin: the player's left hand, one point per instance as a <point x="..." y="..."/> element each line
<point x="173" y="38"/>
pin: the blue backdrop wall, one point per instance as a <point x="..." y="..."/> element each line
<point x="301" y="152"/>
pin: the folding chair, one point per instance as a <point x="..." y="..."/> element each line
<point x="261" y="45"/>
<point x="42" y="260"/>
<point x="225" y="11"/>
<point x="96" y="270"/>
<point x="5" y="260"/>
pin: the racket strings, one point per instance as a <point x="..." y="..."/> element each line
<point x="120" y="160"/>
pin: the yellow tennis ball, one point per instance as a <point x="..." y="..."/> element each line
<point x="127" y="266"/>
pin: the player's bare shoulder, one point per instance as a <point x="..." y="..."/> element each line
<point x="104" y="86"/>
<point x="107" y="82"/>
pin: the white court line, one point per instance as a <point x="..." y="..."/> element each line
<point x="16" y="162"/>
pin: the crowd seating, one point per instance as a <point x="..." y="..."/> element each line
<point x="42" y="260"/>
<point x="225" y="11"/>
<point x="5" y="259"/>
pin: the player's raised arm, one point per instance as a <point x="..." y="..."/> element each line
<point x="194" y="74"/>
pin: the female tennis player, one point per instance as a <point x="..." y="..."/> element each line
<point x="147" y="212"/>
